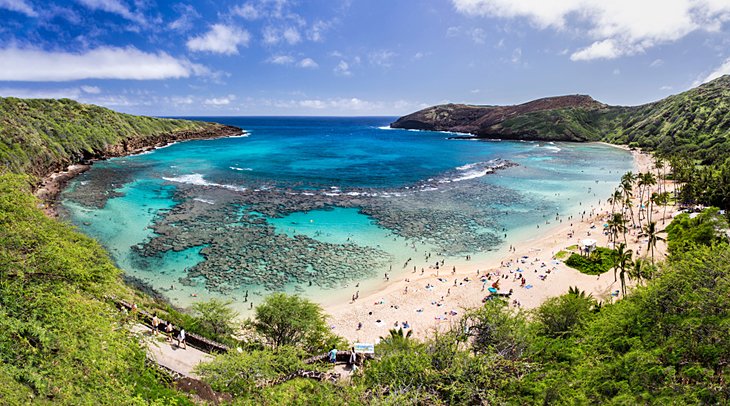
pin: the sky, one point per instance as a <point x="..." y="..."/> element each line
<point x="355" y="57"/>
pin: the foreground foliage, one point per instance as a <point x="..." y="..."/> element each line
<point x="59" y="340"/>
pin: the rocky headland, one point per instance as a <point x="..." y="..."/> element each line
<point x="692" y="121"/>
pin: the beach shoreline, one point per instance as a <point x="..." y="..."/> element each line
<point x="430" y="302"/>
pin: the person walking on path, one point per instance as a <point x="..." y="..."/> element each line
<point x="168" y="331"/>
<point x="155" y="324"/>
<point x="181" y="339"/>
<point x="333" y="355"/>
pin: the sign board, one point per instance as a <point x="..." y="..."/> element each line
<point x="364" y="348"/>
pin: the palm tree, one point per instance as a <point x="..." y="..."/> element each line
<point x="615" y="198"/>
<point x="397" y="338"/>
<point x="663" y="200"/>
<point x="650" y="231"/>
<point x="642" y="270"/>
<point x="622" y="263"/>
<point x="627" y="181"/>
<point x="616" y="225"/>
<point x="648" y="180"/>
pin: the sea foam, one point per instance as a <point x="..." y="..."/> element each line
<point x="198" y="180"/>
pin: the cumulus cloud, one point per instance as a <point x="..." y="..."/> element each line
<point x="272" y="35"/>
<point x="617" y="27"/>
<point x="20" y="6"/>
<point x="721" y="70"/>
<point x="308" y="63"/>
<point x="248" y="11"/>
<point x="281" y="60"/>
<point x="343" y="69"/>
<point x="220" y="101"/>
<point x="114" y="7"/>
<point x="220" y="39"/>
<point x="34" y="65"/>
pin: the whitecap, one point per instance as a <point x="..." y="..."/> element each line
<point x="235" y="168"/>
<point x="198" y="180"/>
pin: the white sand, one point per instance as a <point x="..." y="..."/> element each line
<point x="425" y="310"/>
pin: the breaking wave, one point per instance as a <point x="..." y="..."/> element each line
<point x="198" y="180"/>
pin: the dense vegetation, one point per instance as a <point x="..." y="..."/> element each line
<point x="59" y="339"/>
<point x="38" y="136"/>
<point x="695" y="123"/>
<point x="598" y="262"/>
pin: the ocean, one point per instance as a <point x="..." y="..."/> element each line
<point x="324" y="206"/>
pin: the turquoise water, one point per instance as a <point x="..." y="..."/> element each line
<point x="314" y="205"/>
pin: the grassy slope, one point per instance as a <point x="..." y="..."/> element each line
<point x="38" y="136"/>
<point x="59" y="339"/>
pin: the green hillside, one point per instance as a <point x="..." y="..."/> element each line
<point x="38" y="136"/>
<point x="695" y="122"/>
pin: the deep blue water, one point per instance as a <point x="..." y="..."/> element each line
<point x="418" y="178"/>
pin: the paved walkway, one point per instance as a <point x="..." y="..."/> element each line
<point x="169" y="355"/>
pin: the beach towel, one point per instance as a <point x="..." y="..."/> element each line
<point x="528" y="287"/>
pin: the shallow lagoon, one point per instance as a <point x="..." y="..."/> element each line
<point x="314" y="205"/>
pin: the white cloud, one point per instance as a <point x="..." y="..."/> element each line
<point x="343" y="69"/>
<point x="220" y="39"/>
<point x="383" y="58"/>
<point x="247" y="11"/>
<point x="656" y="63"/>
<point x="114" y="7"/>
<point x="20" y="6"/>
<point x="317" y="30"/>
<point x="723" y="69"/>
<point x="617" y="71"/>
<point x="181" y="100"/>
<point x="606" y="49"/>
<point x="292" y="36"/>
<point x="308" y="63"/>
<point x="188" y="14"/>
<point x="617" y="27"/>
<point x="281" y="60"/>
<point x="220" y="101"/>
<point x="91" y="89"/>
<point x="273" y="35"/>
<point x="35" y="65"/>
<point x="516" y="55"/>
<point x="478" y="35"/>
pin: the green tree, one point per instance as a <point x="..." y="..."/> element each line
<point x="652" y="234"/>
<point x="290" y="320"/>
<point x="216" y="316"/>
<point x="562" y="315"/>
<point x="621" y="264"/>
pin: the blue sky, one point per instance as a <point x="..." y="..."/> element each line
<point x="355" y="57"/>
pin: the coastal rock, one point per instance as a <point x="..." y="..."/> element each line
<point x="494" y="121"/>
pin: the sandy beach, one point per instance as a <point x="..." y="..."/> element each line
<point x="434" y="299"/>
